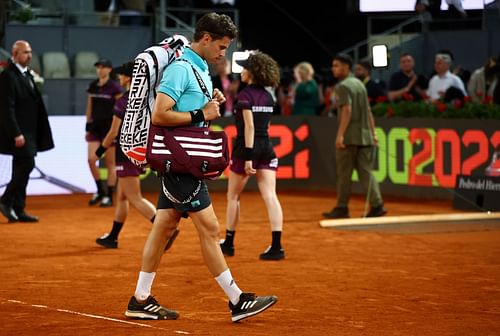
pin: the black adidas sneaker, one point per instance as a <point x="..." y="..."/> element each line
<point x="250" y="305"/>
<point x="149" y="310"/>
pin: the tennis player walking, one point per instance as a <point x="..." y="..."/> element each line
<point x="183" y="100"/>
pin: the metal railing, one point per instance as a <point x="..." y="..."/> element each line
<point x="423" y="21"/>
<point x="172" y="19"/>
<point x="398" y="29"/>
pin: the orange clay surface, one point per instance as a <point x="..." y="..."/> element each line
<point x="54" y="280"/>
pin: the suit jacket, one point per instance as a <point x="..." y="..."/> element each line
<point x="22" y="112"/>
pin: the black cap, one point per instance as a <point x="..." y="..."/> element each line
<point x="242" y="63"/>
<point x="104" y="62"/>
<point x="125" y="69"/>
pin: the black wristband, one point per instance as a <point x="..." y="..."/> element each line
<point x="88" y="126"/>
<point x="247" y="154"/>
<point x="100" y="151"/>
<point x="197" y="116"/>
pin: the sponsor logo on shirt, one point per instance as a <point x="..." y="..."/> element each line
<point x="265" y="109"/>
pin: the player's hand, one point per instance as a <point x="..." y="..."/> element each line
<point x="211" y="110"/>
<point x="249" y="170"/>
<point x="19" y="141"/>
<point x="219" y="96"/>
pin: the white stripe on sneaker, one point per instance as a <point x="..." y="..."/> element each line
<point x="153" y="308"/>
<point x="248" y="304"/>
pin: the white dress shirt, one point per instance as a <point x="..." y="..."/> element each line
<point x="439" y="84"/>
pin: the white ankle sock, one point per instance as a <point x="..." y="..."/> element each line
<point x="144" y="283"/>
<point x="229" y="286"/>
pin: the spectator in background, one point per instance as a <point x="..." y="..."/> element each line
<point x="433" y="8"/>
<point x="24" y="129"/>
<point x="102" y="94"/>
<point x="307" y="96"/>
<point x="130" y="12"/>
<point x="223" y="81"/>
<point x="406" y="83"/>
<point x="362" y="71"/>
<point x="483" y="81"/>
<point x="456" y="9"/>
<point x="328" y="93"/>
<point x="428" y="7"/>
<point x="285" y="93"/>
<point x="443" y="79"/>
<point x="462" y="73"/>
<point x="496" y="71"/>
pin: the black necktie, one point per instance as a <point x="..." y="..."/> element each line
<point x="27" y="74"/>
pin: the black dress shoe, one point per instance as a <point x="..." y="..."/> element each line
<point x="337" y="212"/>
<point x="377" y="211"/>
<point x="24" y="217"/>
<point x="8" y="212"/>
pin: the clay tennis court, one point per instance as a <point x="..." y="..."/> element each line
<point x="54" y="280"/>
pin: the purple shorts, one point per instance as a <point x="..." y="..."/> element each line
<point x="127" y="168"/>
<point x="237" y="165"/>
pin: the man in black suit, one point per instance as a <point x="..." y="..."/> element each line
<point x="24" y="129"/>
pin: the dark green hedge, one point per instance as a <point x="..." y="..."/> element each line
<point x="456" y="109"/>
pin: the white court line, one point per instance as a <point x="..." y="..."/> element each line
<point x="96" y="316"/>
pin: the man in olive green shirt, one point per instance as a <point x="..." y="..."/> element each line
<point x="355" y="142"/>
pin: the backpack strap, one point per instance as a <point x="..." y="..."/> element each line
<point x="201" y="83"/>
<point x="155" y="61"/>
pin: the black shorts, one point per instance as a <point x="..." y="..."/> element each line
<point x="263" y="149"/>
<point x="99" y="128"/>
<point x="184" y="193"/>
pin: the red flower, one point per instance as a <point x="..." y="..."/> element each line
<point x="441" y="107"/>
<point x="381" y="99"/>
<point x="479" y="93"/>
<point x="408" y="96"/>
<point x="487" y="100"/>
<point x="390" y="112"/>
<point x="4" y="64"/>
<point x="467" y="99"/>
<point x="458" y="103"/>
<point x="370" y="100"/>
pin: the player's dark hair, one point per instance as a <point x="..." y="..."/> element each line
<point x="217" y="25"/>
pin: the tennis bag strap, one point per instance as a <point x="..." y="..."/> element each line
<point x="201" y="83"/>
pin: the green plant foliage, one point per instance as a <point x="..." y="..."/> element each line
<point x="23" y="14"/>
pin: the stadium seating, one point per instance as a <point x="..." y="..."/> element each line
<point x="55" y="64"/>
<point x="84" y="64"/>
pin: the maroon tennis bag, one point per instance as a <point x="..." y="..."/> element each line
<point x="199" y="151"/>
